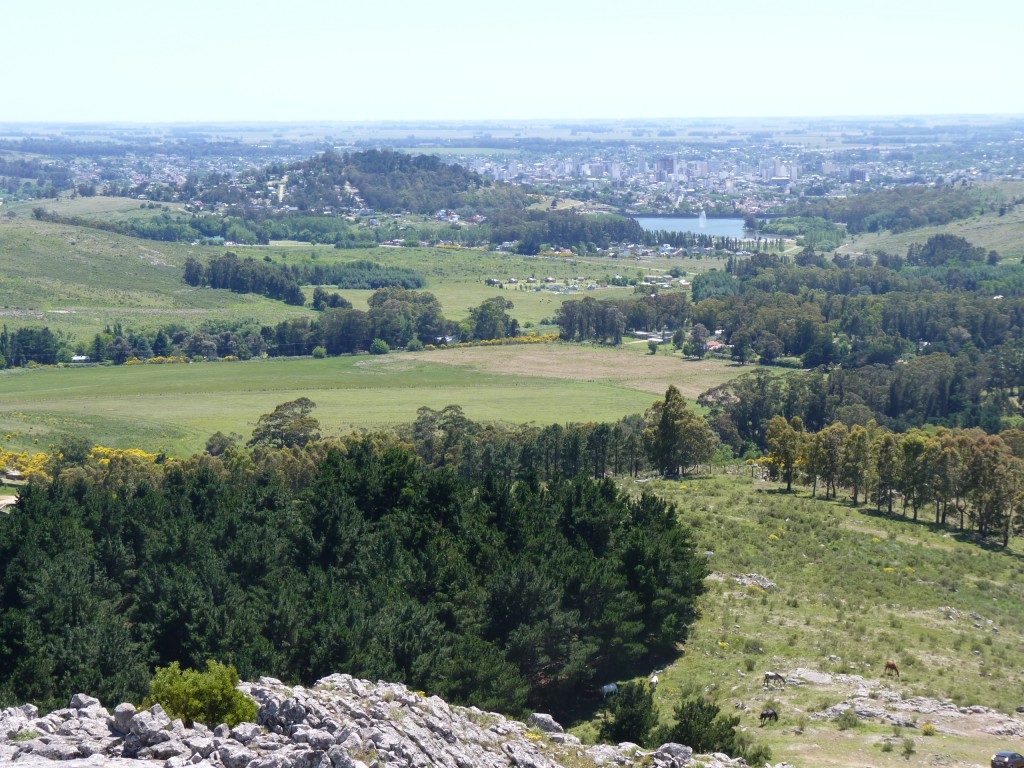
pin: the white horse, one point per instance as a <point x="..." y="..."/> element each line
<point x="653" y="682"/>
<point x="609" y="689"/>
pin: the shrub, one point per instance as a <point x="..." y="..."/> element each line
<point x="847" y="720"/>
<point x="700" y="725"/>
<point x="414" y="345"/>
<point x="927" y="729"/>
<point x="757" y="754"/>
<point x="634" y="715"/>
<point x="379" y="347"/>
<point x="319" y="353"/>
<point x="908" y="747"/>
<point x="208" y="697"/>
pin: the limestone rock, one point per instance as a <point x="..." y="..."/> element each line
<point x="341" y="722"/>
<point x="544" y="723"/>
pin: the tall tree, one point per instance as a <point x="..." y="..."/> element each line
<point x="289" y="425"/>
<point x="676" y="438"/>
<point x="784" y="444"/>
<point x="855" y="461"/>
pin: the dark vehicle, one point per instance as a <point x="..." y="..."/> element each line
<point x="1007" y="760"/>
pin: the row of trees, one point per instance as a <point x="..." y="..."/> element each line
<point x="280" y="281"/>
<point x="669" y="438"/>
<point x="606" y="321"/>
<point x="244" y="276"/>
<point x="934" y="389"/>
<point x="398" y="317"/>
<point x="966" y="478"/>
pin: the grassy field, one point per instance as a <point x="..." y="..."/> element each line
<point x="78" y="280"/>
<point x="175" y="408"/>
<point x="1003" y="234"/>
<point x="853" y="589"/>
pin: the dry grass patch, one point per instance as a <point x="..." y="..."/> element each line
<point x="620" y="367"/>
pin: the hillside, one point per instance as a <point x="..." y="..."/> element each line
<point x="77" y="280"/>
<point x="1003" y="233"/>
<point x="819" y="592"/>
<point x="825" y="594"/>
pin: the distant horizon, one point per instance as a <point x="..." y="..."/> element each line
<point x="504" y="121"/>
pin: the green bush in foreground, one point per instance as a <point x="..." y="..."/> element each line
<point x="634" y="715"/>
<point x="208" y="697"/>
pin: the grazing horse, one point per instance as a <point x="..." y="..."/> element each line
<point x="771" y="678"/>
<point x="769" y="714"/>
<point x="891" y="668"/>
<point x="609" y="689"/>
<point x="653" y="683"/>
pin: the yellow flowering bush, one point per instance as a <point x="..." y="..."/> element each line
<point x="102" y="455"/>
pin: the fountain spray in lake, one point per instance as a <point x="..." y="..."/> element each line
<point x="703" y="220"/>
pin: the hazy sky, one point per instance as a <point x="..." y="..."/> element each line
<point x="294" y="60"/>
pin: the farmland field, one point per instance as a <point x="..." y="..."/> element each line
<point x="175" y="408"/>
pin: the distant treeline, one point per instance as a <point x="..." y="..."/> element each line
<point x="510" y="595"/>
<point x="399" y="317"/>
<point x="694" y="240"/>
<point x="607" y="320"/>
<point x="361" y="275"/>
<point x="245" y="276"/>
<point x="900" y="209"/>
<point x="252" y="228"/>
<point x="905" y="345"/>
<point x="283" y="282"/>
<point x="813" y="231"/>
<point x="22" y="175"/>
<point x="534" y="228"/>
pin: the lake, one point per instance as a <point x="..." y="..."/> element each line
<point x="713" y="227"/>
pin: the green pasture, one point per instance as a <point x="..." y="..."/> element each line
<point x="97" y="207"/>
<point x="78" y="280"/>
<point x="854" y="589"/>
<point x="175" y="408"/>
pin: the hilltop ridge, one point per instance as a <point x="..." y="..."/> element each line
<point x="340" y="722"/>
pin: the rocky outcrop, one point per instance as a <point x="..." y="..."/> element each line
<point x="888" y="706"/>
<point x="341" y="722"/>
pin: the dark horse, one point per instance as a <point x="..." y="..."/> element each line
<point x="771" y="678"/>
<point x="891" y="668"/>
<point x="769" y="714"/>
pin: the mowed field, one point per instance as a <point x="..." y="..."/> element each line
<point x="175" y="408"/>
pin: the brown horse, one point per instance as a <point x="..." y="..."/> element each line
<point x="891" y="668"/>
<point x="769" y="714"/>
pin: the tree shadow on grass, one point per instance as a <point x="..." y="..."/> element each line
<point x="908" y="524"/>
